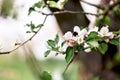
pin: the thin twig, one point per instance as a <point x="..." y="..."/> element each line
<point x="69" y="63"/>
<point x="7" y="52"/>
<point x="68" y="12"/>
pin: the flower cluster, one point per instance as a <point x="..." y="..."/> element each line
<point x="80" y="37"/>
<point x="83" y="40"/>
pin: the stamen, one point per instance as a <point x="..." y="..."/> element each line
<point x="75" y="33"/>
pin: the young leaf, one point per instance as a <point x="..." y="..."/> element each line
<point x="46" y="76"/>
<point x="32" y="26"/>
<point x="56" y="39"/>
<point x="51" y="43"/>
<point x="63" y="43"/>
<point x="93" y="34"/>
<point x="69" y="53"/>
<point x="47" y="53"/>
<point x="61" y="3"/>
<point x="114" y="41"/>
<point x="40" y="4"/>
<point x="52" y="4"/>
<point x="103" y="47"/>
<point x="93" y="43"/>
<point x="39" y="26"/>
<point x="79" y="48"/>
<point x="31" y="9"/>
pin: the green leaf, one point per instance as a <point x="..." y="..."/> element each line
<point x="52" y="4"/>
<point x="79" y="48"/>
<point x="114" y="41"/>
<point x="32" y="26"/>
<point x="56" y="39"/>
<point x="107" y="20"/>
<point x="93" y="34"/>
<point x="61" y="3"/>
<point x="40" y="4"/>
<point x="103" y="47"/>
<point x="47" y="53"/>
<point x="93" y="43"/>
<point x="69" y="53"/>
<point x="46" y="76"/>
<point x="51" y="43"/>
<point x="31" y="9"/>
<point x="62" y="44"/>
<point x="39" y="26"/>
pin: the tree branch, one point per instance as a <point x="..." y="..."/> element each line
<point x="7" y="52"/>
<point x="69" y="63"/>
<point x="68" y="12"/>
<point x="110" y="7"/>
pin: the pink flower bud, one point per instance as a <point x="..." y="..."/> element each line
<point x="71" y="42"/>
<point x="107" y="40"/>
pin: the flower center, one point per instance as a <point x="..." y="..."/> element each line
<point x="75" y="33"/>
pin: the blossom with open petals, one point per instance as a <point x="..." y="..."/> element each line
<point x="76" y="29"/>
<point x="80" y="39"/>
<point x="83" y="32"/>
<point x="71" y="42"/>
<point x="110" y="35"/>
<point x="68" y="35"/>
<point x="105" y="32"/>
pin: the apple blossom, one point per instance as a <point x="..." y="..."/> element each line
<point x="105" y="32"/>
<point x="83" y="32"/>
<point x="67" y="35"/>
<point x="71" y="42"/>
<point x="110" y="35"/>
<point x="80" y="39"/>
<point x="76" y="29"/>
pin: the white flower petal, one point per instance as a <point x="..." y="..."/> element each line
<point x="104" y="30"/>
<point x="110" y="35"/>
<point x="88" y="50"/>
<point x="67" y="35"/>
<point x="100" y="34"/>
<point x="83" y="32"/>
<point x="76" y="29"/>
<point x="86" y="45"/>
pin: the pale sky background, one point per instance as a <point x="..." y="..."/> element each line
<point x="13" y="30"/>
